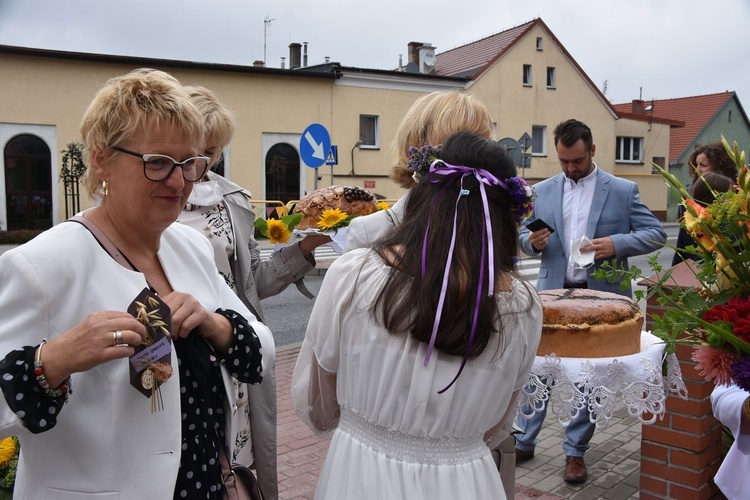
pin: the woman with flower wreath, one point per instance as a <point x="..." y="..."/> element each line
<point x="221" y="210"/>
<point x="415" y="360"/>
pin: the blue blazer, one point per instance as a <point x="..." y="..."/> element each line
<point x="616" y="211"/>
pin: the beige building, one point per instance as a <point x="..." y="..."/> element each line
<point x="525" y="76"/>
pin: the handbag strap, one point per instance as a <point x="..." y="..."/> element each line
<point x="104" y="241"/>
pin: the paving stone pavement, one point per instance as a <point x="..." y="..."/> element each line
<point x="613" y="460"/>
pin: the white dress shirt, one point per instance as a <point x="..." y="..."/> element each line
<point x="577" y="199"/>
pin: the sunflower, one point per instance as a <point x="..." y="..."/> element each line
<point x="278" y="232"/>
<point x="7" y="450"/>
<point x="331" y="218"/>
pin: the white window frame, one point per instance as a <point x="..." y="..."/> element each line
<point x="551" y="77"/>
<point x="626" y="147"/>
<point x="367" y="124"/>
<point x="527" y="75"/>
<point x="540" y="130"/>
<point x="539" y="43"/>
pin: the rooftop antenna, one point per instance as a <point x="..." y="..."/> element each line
<point x="266" y="24"/>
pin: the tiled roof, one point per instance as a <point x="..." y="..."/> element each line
<point x="696" y="112"/>
<point x="473" y="59"/>
<point x="470" y="59"/>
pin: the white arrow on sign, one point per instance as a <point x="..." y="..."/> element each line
<point x="317" y="147"/>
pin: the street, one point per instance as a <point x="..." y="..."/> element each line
<point x="288" y="312"/>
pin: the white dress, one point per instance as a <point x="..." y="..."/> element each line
<point x="397" y="437"/>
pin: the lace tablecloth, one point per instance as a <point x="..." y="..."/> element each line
<point x="569" y="384"/>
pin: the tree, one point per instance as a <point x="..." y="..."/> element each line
<point x="71" y="171"/>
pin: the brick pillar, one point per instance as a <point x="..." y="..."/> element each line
<point x="681" y="453"/>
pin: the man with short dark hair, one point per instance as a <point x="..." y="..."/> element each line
<point x="582" y="201"/>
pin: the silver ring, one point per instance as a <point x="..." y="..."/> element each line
<point x="117" y="336"/>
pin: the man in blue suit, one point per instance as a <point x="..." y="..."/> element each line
<point x="586" y="201"/>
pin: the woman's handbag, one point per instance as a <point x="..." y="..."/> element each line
<point x="239" y="481"/>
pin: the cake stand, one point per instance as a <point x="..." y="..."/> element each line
<point x="571" y="384"/>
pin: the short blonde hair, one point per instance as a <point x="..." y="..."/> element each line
<point x="219" y="120"/>
<point x="143" y="99"/>
<point x="431" y="120"/>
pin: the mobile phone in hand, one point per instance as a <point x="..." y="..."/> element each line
<point x="538" y="224"/>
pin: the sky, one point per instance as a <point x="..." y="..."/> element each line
<point x="649" y="49"/>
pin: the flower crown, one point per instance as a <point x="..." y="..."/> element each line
<point x="521" y="194"/>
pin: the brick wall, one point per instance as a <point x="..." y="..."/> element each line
<point x="681" y="453"/>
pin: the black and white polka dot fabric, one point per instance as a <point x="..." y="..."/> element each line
<point x="202" y="400"/>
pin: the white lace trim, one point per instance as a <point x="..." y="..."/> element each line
<point x="407" y="448"/>
<point x="636" y="381"/>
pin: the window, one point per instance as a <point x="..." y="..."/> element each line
<point x="550" y="77"/>
<point x="539" y="43"/>
<point x="629" y="149"/>
<point x="527" y="75"/>
<point x="538" y="140"/>
<point x="368" y="131"/>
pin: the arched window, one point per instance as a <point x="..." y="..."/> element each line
<point x="282" y="173"/>
<point x="28" y="183"/>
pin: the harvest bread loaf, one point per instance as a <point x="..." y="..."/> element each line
<point x="350" y="199"/>
<point x="581" y="323"/>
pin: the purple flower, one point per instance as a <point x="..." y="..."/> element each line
<point x="421" y="158"/>
<point x="741" y="372"/>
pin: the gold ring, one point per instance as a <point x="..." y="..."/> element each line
<point x="117" y="336"/>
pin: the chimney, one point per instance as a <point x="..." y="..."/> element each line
<point x="400" y="62"/>
<point x="294" y="55"/>
<point x="413" y="53"/>
<point x="638" y="107"/>
<point x="258" y="63"/>
<point x="304" y="54"/>
<point x="283" y="60"/>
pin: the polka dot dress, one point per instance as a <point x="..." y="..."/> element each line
<point x="202" y="400"/>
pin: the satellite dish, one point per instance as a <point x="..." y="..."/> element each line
<point x="411" y="67"/>
<point x="429" y="58"/>
<point x="514" y="149"/>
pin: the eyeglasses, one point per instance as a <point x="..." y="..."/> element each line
<point x="159" y="167"/>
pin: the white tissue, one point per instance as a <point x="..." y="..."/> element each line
<point x="578" y="259"/>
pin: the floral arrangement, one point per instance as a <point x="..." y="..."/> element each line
<point x="713" y="317"/>
<point x="9" y="450"/>
<point x="521" y="194"/>
<point x="278" y="230"/>
<point x="521" y="197"/>
<point x="420" y="159"/>
<point x="334" y="218"/>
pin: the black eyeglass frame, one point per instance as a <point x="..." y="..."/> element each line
<point x="175" y="163"/>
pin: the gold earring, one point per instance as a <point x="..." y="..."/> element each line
<point x="105" y="188"/>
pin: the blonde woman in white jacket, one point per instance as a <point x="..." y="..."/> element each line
<point x="78" y="389"/>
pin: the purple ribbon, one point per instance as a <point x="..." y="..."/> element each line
<point x="443" y="172"/>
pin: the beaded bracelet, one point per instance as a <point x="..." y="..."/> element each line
<point x="62" y="390"/>
<point x="746" y="408"/>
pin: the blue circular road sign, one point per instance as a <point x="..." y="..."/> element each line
<point x="315" y="145"/>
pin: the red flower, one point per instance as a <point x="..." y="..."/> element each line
<point x="741" y="306"/>
<point x="742" y="329"/>
<point x="720" y="313"/>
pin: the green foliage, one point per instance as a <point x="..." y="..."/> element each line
<point x="72" y="168"/>
<point x="291" y="222"/>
